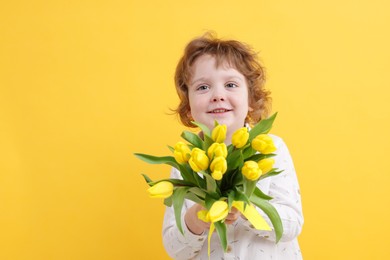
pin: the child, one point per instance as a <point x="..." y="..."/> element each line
<point x="222" y="80"/>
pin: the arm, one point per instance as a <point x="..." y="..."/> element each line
<point x="284" y="189"/>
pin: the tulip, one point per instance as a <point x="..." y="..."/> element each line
<point x="219" y="133"/>
<point x="218" y="211"/>
<point x="251" y="170"/>
<point x="163" y="189"/>
<point x="266" y="164"/>
<point x="217" y="149"/>
<point x="181" y="152"/>
<point x="240" y="137"/>
<point x="264" y="144"/>
<point x="199" y="160"/>
<point x="218" y="167"/>
<point x="202" y="215"/>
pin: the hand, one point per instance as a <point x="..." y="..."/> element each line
<point x="194" y="224"/>
<point x="233" y="215"/>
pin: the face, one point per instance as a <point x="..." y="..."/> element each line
<point x="218" y="93"/>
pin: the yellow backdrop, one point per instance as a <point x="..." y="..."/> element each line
<point x="85" y="84"/>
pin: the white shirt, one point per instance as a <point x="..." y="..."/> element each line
<point x="245" y="242"/>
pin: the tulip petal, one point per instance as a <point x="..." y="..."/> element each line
<point x="252" y="215"/>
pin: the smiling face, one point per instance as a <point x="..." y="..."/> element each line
<point x="218" y="93"/>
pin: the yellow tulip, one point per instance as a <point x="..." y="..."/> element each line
<point x="217" y="175"/>
<point x="199" y="160"/>
<point x="219" y="133"/>
<point x="251" y="170"/>
<point x="163" y="189"/>
<point x="181" y="152"/>
<point x="218" y="167"/>
<point x="217" y="149"/>
<point x="240" y="137"/>
<point x="202" y="215"/>
<point x="218" y="211"/>
<point x="264" y="144"/>
<point x="266" y="164"/>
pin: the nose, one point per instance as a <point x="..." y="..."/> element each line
<point x="216" y="99"/>
<point x="218" y="95"/>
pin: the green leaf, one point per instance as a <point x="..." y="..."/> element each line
<point x="231" y="196"/>
<point x="263" y="127"/>
<point x="209" y="201"/>
<point x="230" y="148"/>
<point x="240" y="196"/>
<point x="221" y="230"/>
<point x="168" y="201"/>
<point x="257" y="192"/>
<point x="235" y="160"/>
<point x="147" y="179"/>
<point x="199" y="181"/>
<point x="207" y="142"/>
<point x="206" y="131"/>
<point x="237" y="178"/>
<point x="272" y="214"/>
<point x="211" y="183"/>
<point x="175" y="182"/>
<point x="249" y="187"/>
<point x="187" y="174"/>
<point x="198" y="192"/>
<point x="171" y="148"/>
<point x="273" y="172"/>
<point x="248" y="152"/>
<point x="178" y="200"/>
<point x="195" y="198"/>
<point x="157" y="159"/>
<point x="193" y="139"/>
<point x="259" y="156"/>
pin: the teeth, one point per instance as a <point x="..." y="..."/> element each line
<point x="219" y="110"/>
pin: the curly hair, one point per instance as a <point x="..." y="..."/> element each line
<point x="237" y="55"/>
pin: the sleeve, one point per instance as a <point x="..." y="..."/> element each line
<point x="178" y="245"/>
<point x="284" y="189"/>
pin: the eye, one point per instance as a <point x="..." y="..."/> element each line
<point x="202" y="87"/>
<point x="231" y="85"/>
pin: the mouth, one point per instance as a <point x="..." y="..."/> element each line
<point x="219" y="111"/>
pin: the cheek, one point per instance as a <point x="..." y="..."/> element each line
<point x="197" y="102"/>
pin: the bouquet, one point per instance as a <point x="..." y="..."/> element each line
<point x="220" y="177"/>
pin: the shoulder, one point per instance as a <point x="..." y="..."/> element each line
<point x="278" y="141"/>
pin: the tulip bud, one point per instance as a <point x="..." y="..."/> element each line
<point x="266" y="164"/>
<point x="181" y="152"/>
<point x="199" y="160"/>
<point x="218" y="167"/>
<point x="218" y="211"/>
<point x="251" y="170"/>
<point x="219" y="133"/>
<point x="240" y="137"/>
<point x="163" y="189"/>
<point x="217" y="149"/>
<point x="264" y="144"/>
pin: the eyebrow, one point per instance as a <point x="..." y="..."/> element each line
<point x="226" y="78"/>
<point x="199" y="79"/>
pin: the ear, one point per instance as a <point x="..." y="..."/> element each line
<point x="250" y="109"/>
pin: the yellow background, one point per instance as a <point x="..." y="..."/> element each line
<point x="84" y="84"/>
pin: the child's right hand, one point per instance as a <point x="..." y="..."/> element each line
<point x="194" y="224"/>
